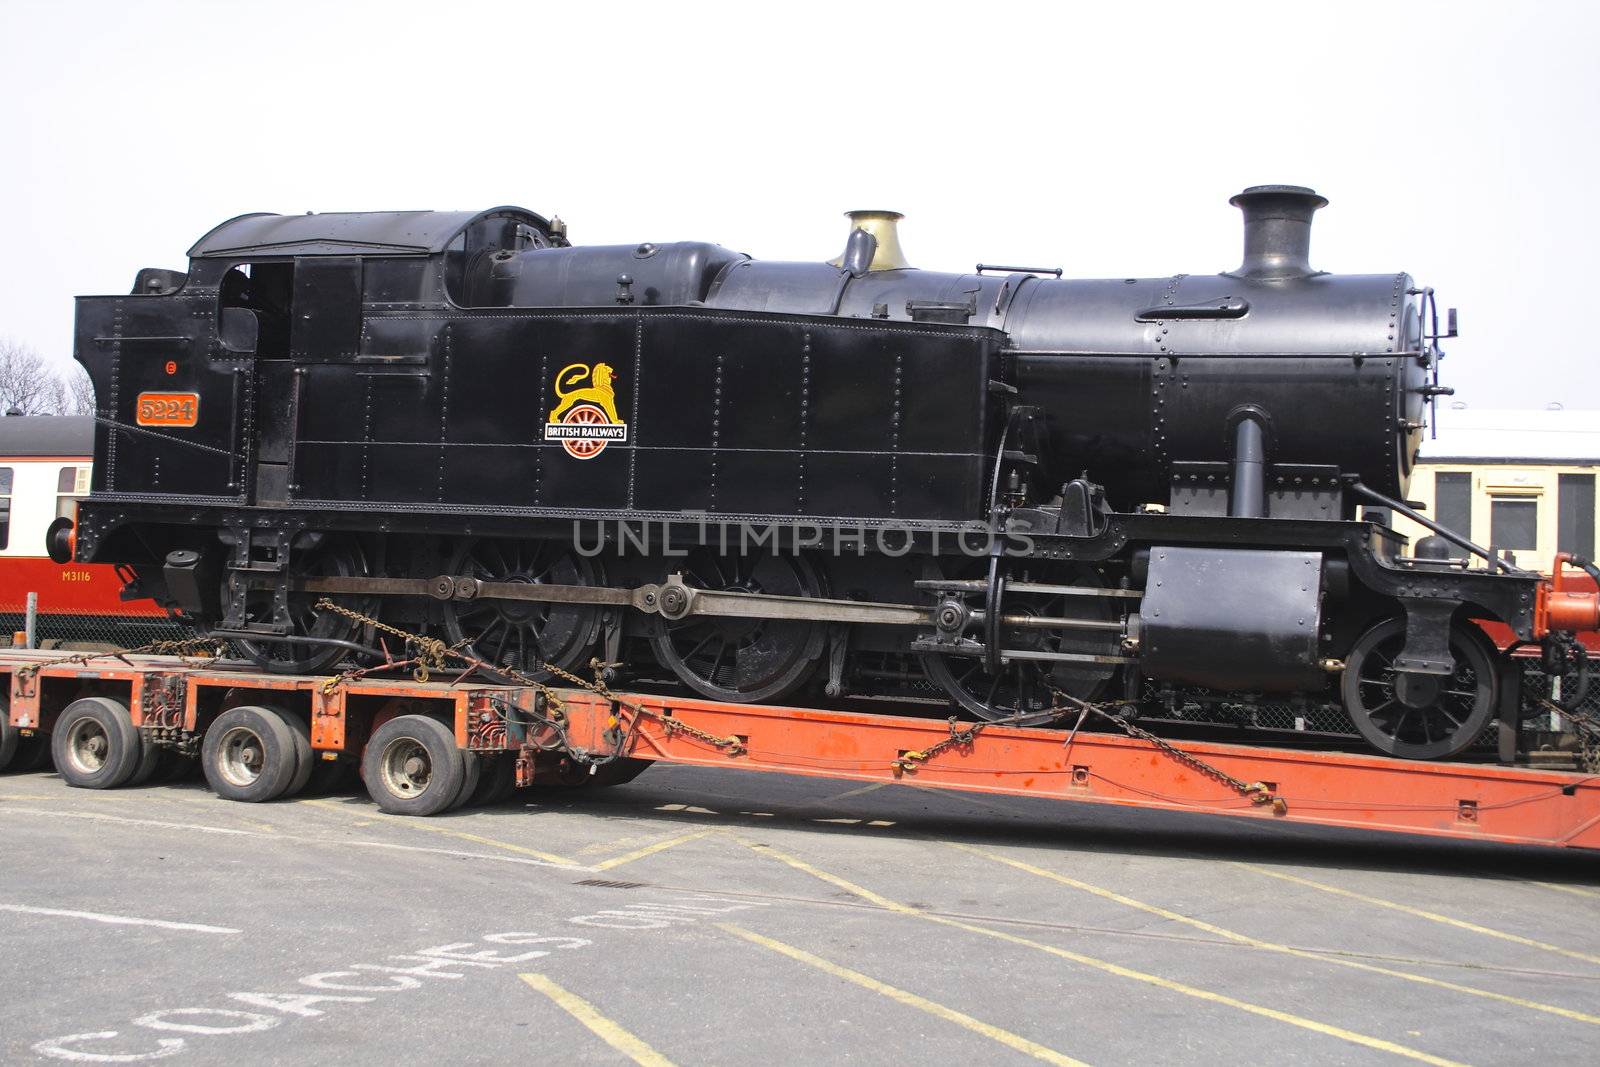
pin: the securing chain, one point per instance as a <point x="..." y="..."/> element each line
<point x="1587" y="732"/>
<point x="431" y="651"/>
<point x="908" y="762"/>
<point x="434" y="654"/>
<point x="192" y="648"/>
<point x="1256" y="792"/>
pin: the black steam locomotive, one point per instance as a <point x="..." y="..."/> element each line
<point x="746" y="478"/>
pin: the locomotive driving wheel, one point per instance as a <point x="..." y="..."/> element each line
<point x="1440" y="727"/>
<point x="742" y="660"/>
<point x="523" y="635"/>
<point x="1022" y="692"/>
<point x="333" y="558"/>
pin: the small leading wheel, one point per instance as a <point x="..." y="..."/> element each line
<point x="742" y="660"/>
<point x="331" y="559"/>
<point x="413" y="767"/>
<point x="523" y="635"/>
<point x="1439" y="727"/>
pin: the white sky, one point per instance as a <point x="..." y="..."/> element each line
<point x="1456" y="141"/>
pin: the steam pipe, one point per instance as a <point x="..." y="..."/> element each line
<point x="1249" y="499"/>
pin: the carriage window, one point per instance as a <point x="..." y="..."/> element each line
<point x="1514" y="522"/>
<point x="71" y="484"/>
<point x="1452" y="505"/>
<point x="5" y="506"/>
<point x="1575" y="515"/>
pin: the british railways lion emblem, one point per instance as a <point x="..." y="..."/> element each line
<point x="585" y="417"/>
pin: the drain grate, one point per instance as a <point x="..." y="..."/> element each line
<point x="602" y="883"/>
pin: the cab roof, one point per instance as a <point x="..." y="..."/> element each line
<point x="335" y="233"/>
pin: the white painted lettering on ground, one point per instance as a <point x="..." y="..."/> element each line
<point x="118" y="920"/>
<point x="71" y="1048"/>
<point x="371" y="982"/>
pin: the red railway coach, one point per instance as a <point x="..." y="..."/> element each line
<point x="44" y="472"/>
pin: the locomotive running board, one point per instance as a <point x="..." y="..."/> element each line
<point x="676" y="600"/>
<point x="673" y="599"/>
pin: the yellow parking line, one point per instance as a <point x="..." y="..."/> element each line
<point x="1114" y="968"/>
<point x="423" y="824"/>
<point x="851" y="793"/>
<point x="1431" y="916"/>
<point x="650" y="850"/>
<point x="1574" y="889"/>
<point x="977" y="1026"/>
<point x="602" y="1027"/>
<point x="1272" y="946"/>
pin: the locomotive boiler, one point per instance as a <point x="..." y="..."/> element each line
<point x="750" y="479"/>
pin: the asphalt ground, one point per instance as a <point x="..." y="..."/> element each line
<point x="716" y="917"/>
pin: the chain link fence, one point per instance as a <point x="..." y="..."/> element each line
<point x="96" y="633"/>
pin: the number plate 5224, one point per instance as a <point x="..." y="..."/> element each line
<point x="168" y="409"/>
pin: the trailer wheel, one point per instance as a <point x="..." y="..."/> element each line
<point x="175" y="767"/>
<point x="472" y="774"/>
<point x="330" y="775"/>
<point x="496" y="782"/>
<point x="249" y="755"/>
<point x="33" y="754"/>
<point x="95" y="745"/>
<point x="305" y="758"/>
<point x="9" y="738"/>
<point x="149" y="761"/>
<point x="413" y="767"/>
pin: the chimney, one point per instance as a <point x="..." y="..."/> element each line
<point x="1277" y="230"/>
<point x="881" y="225"/>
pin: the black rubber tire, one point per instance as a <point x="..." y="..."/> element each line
<point x="251" y="727"/>
<point x="305" y="757"/>
<point x="175" y="767"/>
<point x="149" y="761"/>
<point x="75" y="729"/>
<point x="33" y="754"/>
<point x="331" y="776"/>
<point x="496" y="781"/>
<point x="472" y="768"/>
<point x="9" y="738"/>
<point x="429" y="741"/>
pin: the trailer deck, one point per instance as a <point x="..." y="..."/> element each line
<point x="174" y="700"/>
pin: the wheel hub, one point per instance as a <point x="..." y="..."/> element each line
<point x="89" y="746"/>
<point x="406" y="768"/>
<point x="243" y="757"/>
<point x="1417" y="690"/>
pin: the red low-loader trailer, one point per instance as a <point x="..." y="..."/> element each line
<point x="429" y="746"/>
